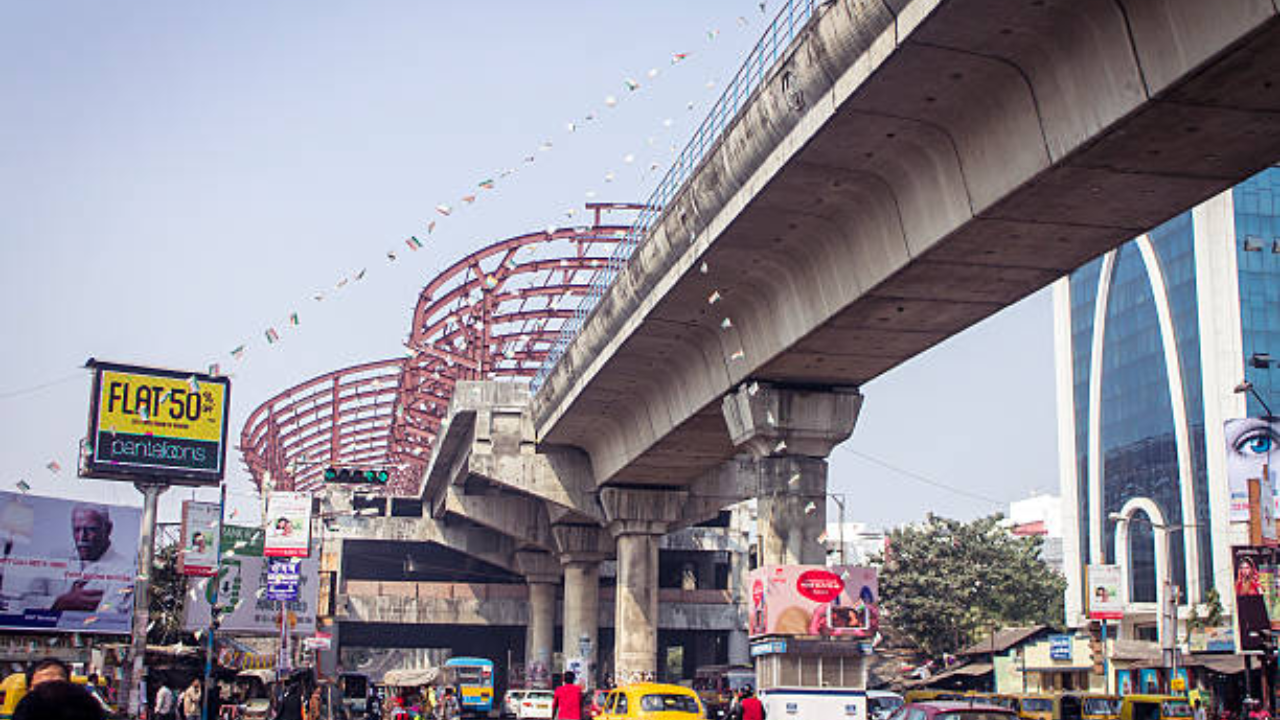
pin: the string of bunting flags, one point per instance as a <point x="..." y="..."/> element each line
<point x="445" y="210"/>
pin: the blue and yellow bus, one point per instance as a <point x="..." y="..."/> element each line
<point x="473" y="677"/>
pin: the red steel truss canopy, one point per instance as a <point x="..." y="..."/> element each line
<point x="492" y="315"/>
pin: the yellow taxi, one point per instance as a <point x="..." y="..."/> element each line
<point x="651" y="701"/>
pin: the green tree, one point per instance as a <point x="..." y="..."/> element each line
<point x="167" y="587"/>
<point x="946" y="583"/>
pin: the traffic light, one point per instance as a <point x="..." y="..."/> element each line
<point x="356" y="476"/>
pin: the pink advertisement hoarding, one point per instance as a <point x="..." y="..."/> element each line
<point x="812" y="600"/>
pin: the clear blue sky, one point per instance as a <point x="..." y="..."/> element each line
<point x="178" y="177"/>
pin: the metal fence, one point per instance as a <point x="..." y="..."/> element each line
<point x="777" y="37"/>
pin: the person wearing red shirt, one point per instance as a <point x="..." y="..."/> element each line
<point x="752" y="708"/>
<point x="567" y="702"/>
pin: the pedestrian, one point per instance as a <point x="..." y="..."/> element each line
<point x="290" y="705"/>
<point x="165" y="703"/>
<point x="735" y="706"/>
<point x="46" y="670"/>
<point x="190" y="701"/>
<point x="451" y="708"/>
<point x="58" y="700"/>
<point x="1197" y="710"/>
<point x="752" y="708"/>
<point x="566" y="703"/>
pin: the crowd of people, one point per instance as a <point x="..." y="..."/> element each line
<point x="428" y="703"/>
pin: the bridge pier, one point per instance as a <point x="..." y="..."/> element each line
<point x="790" y="432"/>
<point x="636" y="520"/>
<point x="580" y="555"/>
<point x="542" y="573"/>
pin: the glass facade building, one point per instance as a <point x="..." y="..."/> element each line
<point x="1151" y="340"/>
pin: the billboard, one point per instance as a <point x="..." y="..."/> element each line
<point x="1104" y="599"/>
<point x="165" y="425"/>
<point x="288" y="524"/>
<point x="242" y="587"/>
<point x="1257" y="599"/>
<point x="1250" y="442"/>
<point x="199" y="555"/>
<point x="67" y="565"/>
<point x="812" y="600"/>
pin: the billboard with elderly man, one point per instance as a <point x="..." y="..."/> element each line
<point x="66" y="565"/>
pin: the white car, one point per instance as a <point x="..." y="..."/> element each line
<point x="511" y="702"/>
<point x="535" y="705"/>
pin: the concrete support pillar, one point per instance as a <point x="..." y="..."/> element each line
<point x="790" y="431"/>
<point x="542" y="573"/>
<point x="792" y="511"/>
<point x="637" y="519"/>
<point x="581" y="549"/>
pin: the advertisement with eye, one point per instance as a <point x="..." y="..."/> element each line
<point x="1250" y="445"/>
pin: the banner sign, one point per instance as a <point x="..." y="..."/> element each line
<point x="288" y="524"/>
<point x="1249" y="441"/>
<point x="1059" y="647"/>
<point x="812" y="600"/>
<point x="67" y="566"/>
<point x="1256" y="594"/>
<point x="1104" y="599"/>
<point x="283" y="578"/>
<point x="199" y="555"/>
<point x="319" y="641"/>
<point x="243" y="588"/>
<point x="159" y="425"/>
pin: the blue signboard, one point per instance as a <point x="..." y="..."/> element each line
<point x="773" y="647"/>
<point x="284" y="576"/>
<point x="1059" y="647"/>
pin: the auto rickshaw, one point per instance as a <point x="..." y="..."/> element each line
<point x="1101" y="707"/>
<point x="1035" y="707"/>
<point x="1155" y="707"/>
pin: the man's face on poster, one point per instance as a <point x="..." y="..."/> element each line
<point x="92" y="533"/>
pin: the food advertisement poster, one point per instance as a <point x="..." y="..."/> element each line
<point x="812" y="600"/>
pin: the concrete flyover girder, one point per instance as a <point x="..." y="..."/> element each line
<point x="461" y="536"/>
<point x="489" y="434"/>
<point x="907" y="169"/>
<point x="520" y="517"/>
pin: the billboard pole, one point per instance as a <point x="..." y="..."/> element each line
<point x="142" y="592"/>
<point x="210" y="646"/>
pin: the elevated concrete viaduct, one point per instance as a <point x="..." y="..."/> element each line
<point x="908" y="168"/>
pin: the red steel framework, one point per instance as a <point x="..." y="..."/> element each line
<point x="493" y="314"/>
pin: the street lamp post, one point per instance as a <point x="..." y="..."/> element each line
<point x="1167" y="617"/>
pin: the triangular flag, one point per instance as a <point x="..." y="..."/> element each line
<point x="468" y="199"/>
<point x="631" y="84"/>
<point x="238" y="352"/>
<point x="360" y="275"/>
<point x="444" y="209"/>
<point x="53" y="466"/>
<point x="431" y="227"/>
<point x="293" y="319"/>
<point x="487" y="184"/>
<point x="413" y="242"/>
<point x="271" y="335"/>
